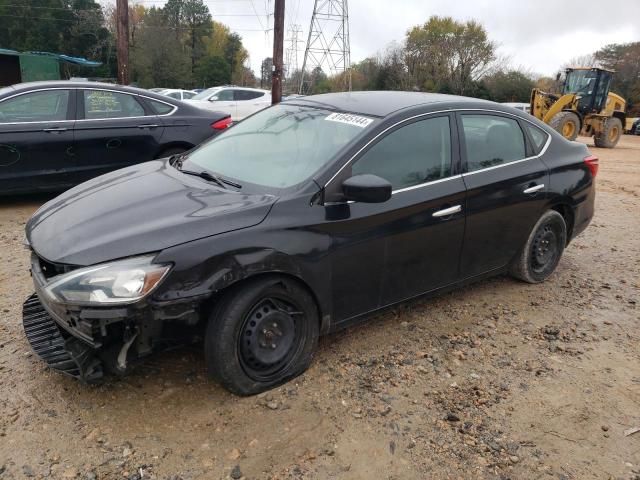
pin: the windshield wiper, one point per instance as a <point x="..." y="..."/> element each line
<point x="204" y="174"/>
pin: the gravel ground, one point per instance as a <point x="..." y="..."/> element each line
<point x="498" y="380"/>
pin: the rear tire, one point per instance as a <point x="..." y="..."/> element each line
<point x="542" y="252"/>
<point x="610" y="135"/>
<point x="261" y="334"/>
<point x="566" y="124"/>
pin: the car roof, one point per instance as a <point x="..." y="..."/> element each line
<point x="22" y="87"/>
<point x="384" y="103"/>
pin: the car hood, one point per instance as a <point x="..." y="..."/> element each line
<point x="140" y="209"/>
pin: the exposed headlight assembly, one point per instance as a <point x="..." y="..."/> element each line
<point x="120" y="282"/>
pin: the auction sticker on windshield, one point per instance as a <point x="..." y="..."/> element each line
<point x="349" y="119"/>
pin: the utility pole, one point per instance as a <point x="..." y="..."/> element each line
<point x="122" y="31"/>
<point x="278" y="48"/>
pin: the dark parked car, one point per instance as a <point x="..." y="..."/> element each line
<point x="635" y="128"/>
<point x="300" y="220"/>
<point x="57" y="134"/>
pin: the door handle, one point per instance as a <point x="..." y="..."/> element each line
<point x="447" y="211"/>
<point x="150" y="125"/>
<point x="54" y="130"/>
<point x="534" y="188"/>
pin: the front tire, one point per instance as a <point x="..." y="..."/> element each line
<point x="261" y="334"/>
<point x="566" y="124"/>
<point x="541" y="253"/>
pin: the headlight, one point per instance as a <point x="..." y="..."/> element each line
<point x="124" y="281"/>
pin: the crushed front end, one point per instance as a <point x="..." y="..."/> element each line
<point x="88" y="341"/>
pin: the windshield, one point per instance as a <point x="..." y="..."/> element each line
<point x="580" y="81"/>
<point x="278" y="147"/>
<point x="205" y="93"/>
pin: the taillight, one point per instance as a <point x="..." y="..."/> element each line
<point x="221" y="124"/>
<point x="592" y="164"/>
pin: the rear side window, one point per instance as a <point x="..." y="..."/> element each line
<point x="247" y="95"/>
<point x="108" y="104"/>
<point x="491" y="140"/>
<point x="45" y="106"/>
<point x="538" y="137"/>
<point x="416" y="153"/>
<point x="159" y="107"/>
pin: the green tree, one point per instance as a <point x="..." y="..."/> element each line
<point x="266" y="72"/>
<point x="625" y="60"/>
<point x="510" y="86"/>
<point x="212" y="70"/>
<point x="444" y="54"/>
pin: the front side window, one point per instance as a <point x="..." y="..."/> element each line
<point x="416" y="153"/>
<point x="223" y="96"/>
<point x="107" y="104"/>
<point x="44" y="106"/>
<point x="492" y="140"/>
<point x="278" y="147"/>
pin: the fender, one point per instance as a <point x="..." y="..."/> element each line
<point x="198" y="281"/>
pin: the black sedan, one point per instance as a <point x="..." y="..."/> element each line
<point x="300" y="220"/>
<point x="57" y="134"/>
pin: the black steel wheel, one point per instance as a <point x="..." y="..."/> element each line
<point x="541" y="253"/>
<point x="261" y="334"/>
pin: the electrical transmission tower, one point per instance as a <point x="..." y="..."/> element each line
<point x="328" y="43"/>
<point x="291" y="55"/>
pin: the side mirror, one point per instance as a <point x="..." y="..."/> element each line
<point x="213" y="99"/>
<point x="366" y="188"/>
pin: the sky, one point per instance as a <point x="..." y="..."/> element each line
<point x="538" y="36"/>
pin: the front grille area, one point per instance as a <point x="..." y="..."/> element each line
<point x="50" y="269"/>
<point x="67" y="355"/>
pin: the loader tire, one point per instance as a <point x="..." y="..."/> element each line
<point x="610" y="134"/>
<point x="566" y="124"/>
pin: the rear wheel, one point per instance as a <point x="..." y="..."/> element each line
<point x="567" y="124"/>
<point x="541" y="254"/>
<point x="261" y="334"/>
<point x="610" y="134"/>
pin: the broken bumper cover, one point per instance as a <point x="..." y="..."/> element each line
<point x="61" y="352"/>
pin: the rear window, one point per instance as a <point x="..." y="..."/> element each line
<point x="538" y="137"/>
<point x="159" y="107"/>
<point x="492" y="140"/>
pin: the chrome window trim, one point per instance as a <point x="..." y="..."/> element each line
<point x="420" y="185"/>
<point x="452" y="110"/>
<point x="74" y="87"/>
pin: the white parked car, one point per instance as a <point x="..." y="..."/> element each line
<point x="239" y="102"/>
<point x="525" y="107"/>
<point x="177" y="93"/>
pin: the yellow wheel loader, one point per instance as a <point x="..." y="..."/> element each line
<point x="585" y="107"/>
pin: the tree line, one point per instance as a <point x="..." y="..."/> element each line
<point x="179" y="45"/>
<point x="447" y="56"/>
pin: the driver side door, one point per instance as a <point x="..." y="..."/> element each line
<point x="387" y="252"/>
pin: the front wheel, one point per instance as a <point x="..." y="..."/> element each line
<point x="261" y="334"/>
<point x="541" y="254"/>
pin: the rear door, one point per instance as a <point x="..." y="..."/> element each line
<point x="114" y="130"/>
<point x="36" y="140"/>
<point x="506" y="189"/>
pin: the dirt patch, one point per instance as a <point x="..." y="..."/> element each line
<point x="498" y="380"/>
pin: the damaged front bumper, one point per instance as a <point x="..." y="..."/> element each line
<point x="87" y="342"/>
